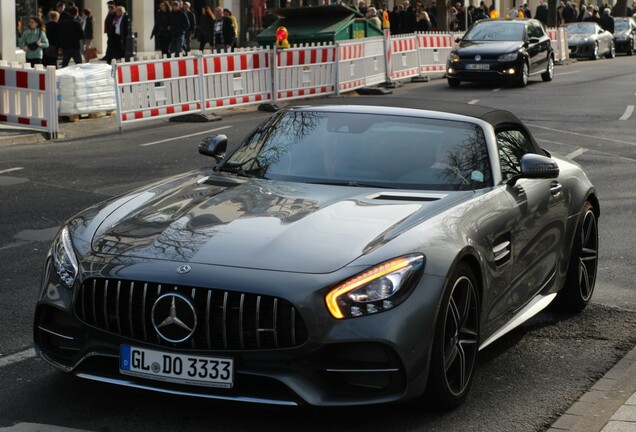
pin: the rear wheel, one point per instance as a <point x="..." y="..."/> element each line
<point x="594" y="55"/>
<point x="452" y="82"/>
<point x="581" y="278"/>
<point x="630" y="48"/>
<point x="456" y="341"/>
<point x="549" y="72"/>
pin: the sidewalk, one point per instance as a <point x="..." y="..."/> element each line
<point x="609" y="406"/>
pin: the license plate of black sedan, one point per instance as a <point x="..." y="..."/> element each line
<point x="176" y="368"/>
<point x="478" y="66"/>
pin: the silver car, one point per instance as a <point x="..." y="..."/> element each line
<point x="589" y="40"/>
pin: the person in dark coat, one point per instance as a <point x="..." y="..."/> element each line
<point x="179" y="25"/>
<point x="64" y="14"/>
<point x="542" y="12"/>
<point x="206" y="28"/>
<point x="112" y="8"/>
<point x="161" y="30"/>
<point x="70" y="38"/>
<point x="192" y="26"/>
<point x="52" y="34"/>
<point x="223" y="31"/>
<point x="607" y="20"/>
<point x="117" y="34"/>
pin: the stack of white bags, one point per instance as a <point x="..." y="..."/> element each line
<point x="85" y="89"/>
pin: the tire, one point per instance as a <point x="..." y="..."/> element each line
<point x="452" y="82"/>
<point x="581" y="277"/>
<point x="525" y="73"/>
<point x="595" y="52"/>
<point x="612" y="52"/>
<point x="549" y="72"/>
<point x="456" y="342"/>
<point x="630" y="48"/>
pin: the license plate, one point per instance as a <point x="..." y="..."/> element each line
<point x="477" y="66"/>
<point x="176" y="368"/>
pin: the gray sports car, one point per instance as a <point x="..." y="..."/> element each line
<point x="340" y="255"/>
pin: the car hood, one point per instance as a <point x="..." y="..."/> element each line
<point x="260" y="224"/>
<point x="580" y="37"/>
<point x="469" y="48"/>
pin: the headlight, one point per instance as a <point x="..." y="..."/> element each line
<point x="454" y="57"/>
<point x="64" y="260"/>
<point x="508" y="57"/>
<point x="378" y="289"/>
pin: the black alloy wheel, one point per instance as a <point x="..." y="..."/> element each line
<point x="525" y="74"/>
<point x="456" y="341"/>
<point x="549" y="72"/>
<point x="581" y="277"/>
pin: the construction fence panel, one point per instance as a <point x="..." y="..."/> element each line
<point x="237" y="78"/>
<point x="376" y="50"/>
<point x="404" y="57"/>
<point x="28" y="97"/>
<point x="156" y="89"/>
<point x="305" y="70"/>
<point x="351" y="65"/>
<point x="559" y="40"/>
<point x="434" y="49"/>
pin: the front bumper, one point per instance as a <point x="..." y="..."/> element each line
<point x="623" y="45"/>
<point x="581" y="50"/>
<point x="496" y="71"/>
<point x="374" y="359"/>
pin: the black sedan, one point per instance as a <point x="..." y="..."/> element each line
<point x="340" y="255"/>
<point x="495" y="50"/>
<point x="624" y="35"/>
<point x="589" y="40"/>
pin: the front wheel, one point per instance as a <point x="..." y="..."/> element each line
<point x="595" y="52"/>
<point x="525" y="73"/>
<point x="581" y="277"/>
<point x="630" y="48"/>
<point x="456" y="341"/>
<point x="612" y="52"/>
<point x="549" y="72"/>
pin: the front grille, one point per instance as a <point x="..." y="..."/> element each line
<point x="227" y="320"/>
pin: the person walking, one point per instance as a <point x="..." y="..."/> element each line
<point x="33" y="41"/>
<point x="223" y="31"/>
<point x="607" y="20"/>
<point x="179" y="25"/>
<point x="192" y="24"/>
<point x="161" y="29"/>
<point x="206" y="28"/>
<point x="112" y="8"/>
<point x="228" y="13"/>
<point x="118" y="33"/>
<point x="70" y="38"/>
<point x="52" y="34"/>
<point x="87" y="28"/>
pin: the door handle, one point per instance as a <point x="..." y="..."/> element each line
<point x="556" y="189"/>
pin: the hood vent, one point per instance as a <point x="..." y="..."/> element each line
<point x="407" y="196"/>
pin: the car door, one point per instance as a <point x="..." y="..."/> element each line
<point x="538" y="46"/>
<point x="540" y="220"/>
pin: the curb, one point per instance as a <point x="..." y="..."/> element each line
<point x="603" y="407"/>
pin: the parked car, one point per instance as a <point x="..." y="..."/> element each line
<point x="624" y="31"/>
<point x="589" y="40"/>
<point x="340" y="255"/>
<point x="501" y="50"/>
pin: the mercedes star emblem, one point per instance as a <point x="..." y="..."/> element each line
<point x="174" y="317"/>
<point x="184" y="269"/>
<point x="477" y="58"/>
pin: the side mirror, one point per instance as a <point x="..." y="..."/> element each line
<point x="214" y="146"/>
<point x="458" y="39"/>
<point x="536" y="166"/>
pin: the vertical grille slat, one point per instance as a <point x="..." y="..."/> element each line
<point x="226" y="320"/>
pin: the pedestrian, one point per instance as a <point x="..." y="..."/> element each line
<point x="223" y="31"/>
<point x="51" y="53"/>
<point x="372" y="16"/>
<point x="206" y="28"/>
<point x="228" y="13"/>
<point x="110" y="16"/>
<point x="607" y="20"/>
<point x="192" y="24"/>
<point x="33" y="41"/>
<point x="179" y="25"/>
<point x="87" y="28"/>
<point x="118" y="33"/>
<point x="542" y="12"/>
<point x="60" y="7"/>
<point x="70" y="38"/>
<point x="161" y="29"/>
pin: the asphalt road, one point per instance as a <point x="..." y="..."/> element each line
<point x="523" y="382"/>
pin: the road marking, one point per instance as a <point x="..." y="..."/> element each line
<point x="184" y="136"/>
<point x="584" y="135"/>
<point x="593" y="151"/>
<point x="496" y="90"/>
<point x="473" y="102"/>
<point x="17" y="357"/>
<point x="628" y="112"/>
<point x="11" y="170"/>
<point x="566" y="73"/>
<point x="575" y="153"/>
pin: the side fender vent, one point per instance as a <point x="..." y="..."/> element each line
<point x="502" y="250"/>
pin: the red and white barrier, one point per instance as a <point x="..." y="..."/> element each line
<point x="28" y="97"/>
<point x="361" y="63"/>
<point x="157" y="89"/>
<point x="559" y="40"/>
<point x="237" y="78"/>
<point x="303" y="71"/>
<point x="404" y="57"/>
<point x="434" y="49"/>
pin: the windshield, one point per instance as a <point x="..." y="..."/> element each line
<point x="496" y="31"/>
<point x="365" y="150"/>
<point x="581" y="28"/>
<point x="620" y="25"/>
